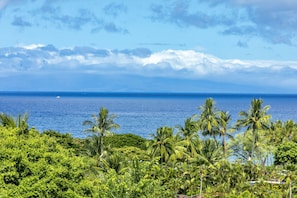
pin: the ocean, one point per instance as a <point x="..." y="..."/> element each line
<point x="137" y="113"/>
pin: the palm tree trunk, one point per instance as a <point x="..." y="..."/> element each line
<point x="200" y="185"/>
<point x="253" y="148"/>
<point x="101" y="142"/>
<point x="224" y="146"/>
<point x="253" y="145"/>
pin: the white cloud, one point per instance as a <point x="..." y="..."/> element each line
<point x="204" y="64"/>
<point x="32" y="46"/>
<point x="190" y="60"/>
<point x="186" y="64"/>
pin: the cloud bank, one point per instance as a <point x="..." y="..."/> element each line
<point x="274" y="21"/>
<point x="64" y="15"/>
<point x="41" y="60"/>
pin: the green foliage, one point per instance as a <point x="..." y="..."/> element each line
<point x="162" y="145"/>
<point x="100" y="126"/>
<point x="209" y="118"/>
<point x="255" y="120"/>
<point x="282" y="132"/>
<point x="7" y="120"/>
<point x="131" y="152"/>
<point x="38" y="166"/>
<point x="20" y="122"/>
<point x="66" y="140"/>
<point x="286" y="153"/>
<point x="209" y="153"/>
<point x="114" y="185"/>
<point x="188" y="136"/>
<point x="125" y="140"/>
<point x="52" y="164"/>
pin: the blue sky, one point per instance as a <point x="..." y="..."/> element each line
<point x="239" y="46"/>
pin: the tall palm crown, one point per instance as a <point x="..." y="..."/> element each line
<point x="7" y="121"/>
<point x="254" y="120"/>
<point x="282" y="131"/>
<point x="188" y="134"/>
<point x="290" y="126"/>
<point x="163" y="144"/>
<point x="209" y="152"/>
<point x="101" y="125"/>
<point x="20" y="122"/>
<point x="224" y="121"/>
<point x="209" y="118"/>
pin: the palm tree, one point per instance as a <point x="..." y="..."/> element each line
<point x="189" y="135"/>
<point x="7" y="120"/>
<point x="162" y="144"/>
<point x="290" y="127"/>
<point x="100" y="126"/>
<point x="92" y="146"/>
<point x="20" y="122"/>
<point x="209" y="153"/>
<point x="113" y="161"/>
<point x="281" y="132"/>
<point x="254" y="120"/>
<point x="224" y="121"/>
<point x="276" y="133"/>
<point x="209" y="118"/>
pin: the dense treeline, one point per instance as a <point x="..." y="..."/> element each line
<point x="206" y="156"/>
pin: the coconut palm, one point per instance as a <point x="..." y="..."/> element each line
<point x="279" y="132"/>
<point x="100" y="126"/>
<point x="224" y="121"/>
<point x="255" y="120"/>
<point x="163" y="144"/>
<point x="241" y="146"/>
<point x="209" y="118"/>
<point x="290" y="128"/>
<point x="113" y="161"/>
<point x="209" y="153"/>
<point x="275" y="134"/>
<point x="20" y="122"/>
<point x="243" y="143"/>
<point x="7" y="120"/>
<point x="189" y="135"/>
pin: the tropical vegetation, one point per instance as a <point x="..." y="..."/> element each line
<point x="210" y="155"/>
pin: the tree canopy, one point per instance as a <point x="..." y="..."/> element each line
<point x="200" y="157"/>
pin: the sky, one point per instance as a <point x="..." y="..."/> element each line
<point x="218" y="46"/>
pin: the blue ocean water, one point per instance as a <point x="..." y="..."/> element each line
<point x="137" y="113"/>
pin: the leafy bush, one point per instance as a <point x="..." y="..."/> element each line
<point x="38" y="166"/>
<point x="122" y="140"/>
<point x="286" y="153"/>
<point x="66" y="140"/>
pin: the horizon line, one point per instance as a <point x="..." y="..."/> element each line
<point x="135" y="93"/>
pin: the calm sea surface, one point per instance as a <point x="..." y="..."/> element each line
<point x="140" y="114"/>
